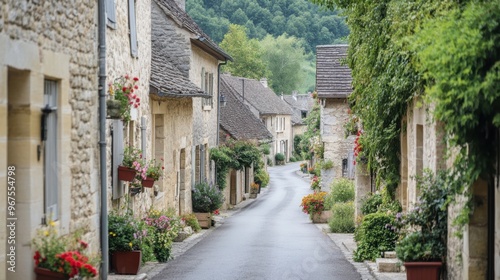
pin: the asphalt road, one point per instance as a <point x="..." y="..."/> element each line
<point x="269" y="239"/>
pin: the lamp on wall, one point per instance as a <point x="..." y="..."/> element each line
<point x="222" y="100"/>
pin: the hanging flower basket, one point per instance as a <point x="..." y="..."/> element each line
<point x="148" y="182"/>
<point x="126" y="173"/>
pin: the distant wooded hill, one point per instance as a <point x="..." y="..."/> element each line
<point x="298" y="18"/>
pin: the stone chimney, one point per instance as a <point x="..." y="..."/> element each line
<point x="263" y="81"/>
<point x="181" y="4"/>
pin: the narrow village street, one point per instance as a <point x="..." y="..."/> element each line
<point x="269" y="239"/>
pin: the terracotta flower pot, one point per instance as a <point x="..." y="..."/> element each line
<point x="45" y="274"/>
<point x="126" y="173"/>
<point x="148" y="182"/>
<point x="127" y="262"/>
<point x="422" y="270"/>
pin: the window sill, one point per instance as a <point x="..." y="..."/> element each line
<point x="207" y="108"/>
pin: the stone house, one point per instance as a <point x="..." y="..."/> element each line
<point x="300" y="104"/>
<point x="185" y="106"/>
<point x="422" y="147"/>
<point x="48" y="67"/>
<point x="333" y="85"/>
<point x="268" y="107"/>
<point x="237" y="122"/>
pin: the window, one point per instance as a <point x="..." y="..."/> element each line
<point x="132" y="27"/>
<point x="50" y="167"/>
<point x="207" y="85"/>
<point x="110" y="14"/>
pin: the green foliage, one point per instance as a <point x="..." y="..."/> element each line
<point x="309" y="144"/>
<point x="125" y="232"/>
<point x="206" y="198"/>
<point x="192" y="221"/>
<point x="265" y="149"/>
<point x="326" y="164"/>
<point x="280" y="158"/>
<point x="261" y="178"/>
<point x="425" y="227"/>
<point x="342" y="220"/>
<point x="223" y="157"/>
<point x="371" y="203"/>
<point x="342" y="190"/>
<point x="293" y="159"/>
<point x="247" y="54"/>
<point x="285" y="56"/>
<point x="373" y="237"/>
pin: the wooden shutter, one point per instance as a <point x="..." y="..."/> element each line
<point x="51" y="166"/>
<point x="132" y="28"/>
<point x="111" y="13"/>
<point x="117" y="158"/>
<point x="211" y="89"/>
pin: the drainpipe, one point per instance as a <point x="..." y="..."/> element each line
<point x="218" y="99"/>
<point x="102" y="141"/>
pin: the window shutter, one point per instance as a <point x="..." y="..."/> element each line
<point x="51" y="166"/>
<point x="117" y="158"/>
<point x="132" y="27"/>
<point x="211" y="89"/>
<point x="111" y="13"/>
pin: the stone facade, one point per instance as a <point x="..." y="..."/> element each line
<point x="334" y="115"/>
<point x="422" y="147"/>
<point x="48" y="40"/>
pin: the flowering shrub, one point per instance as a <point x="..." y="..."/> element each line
<point x="254" y="187"/>
<point x="192" y="221"/>
<point x="62" y="254"/>
<point x="123" y="90"/>
<point x="315" y="183"/>
<point x="313" y="203"/>
<point x="206" y="198"/>
<point x="165" y="228"/>
<point x="125" y="233"/>
<point x="154" y="170"/>
<point x="357" y="146"/>
<point x="131" y="156"/>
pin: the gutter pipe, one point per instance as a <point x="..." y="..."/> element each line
<point x="102" y="141"/>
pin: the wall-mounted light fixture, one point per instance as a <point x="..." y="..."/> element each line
<point x="222" y="100"/>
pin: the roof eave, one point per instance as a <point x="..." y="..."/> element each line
<point x="207" y="46"/>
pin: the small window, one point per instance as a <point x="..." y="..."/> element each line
<point x="51" y="165"/>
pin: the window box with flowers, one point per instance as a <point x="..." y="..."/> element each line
<point x="154" y="172"/>
<point x="61" y="257"/>
<point x="125" y="240"/>
<point x="130" y="165"/>
<point x="123" y="97"/>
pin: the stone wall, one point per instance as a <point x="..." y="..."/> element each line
<point x="336" y="147"/>
<point x="48" y="40"/>
<point x="119" y="62"/>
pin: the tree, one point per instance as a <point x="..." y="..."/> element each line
<point x="247" y="54"/>
<point x="285" y="56"/>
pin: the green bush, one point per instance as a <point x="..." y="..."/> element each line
<point x="192" y="221"/>
<point x="261" y="178"/>
<point x="206" y="198"/>
<point x="327" y="164"/>
<point x="265" y="149"/>
<point x="374" y="237"/>
<point x="280" y="158"/>
<point x="269" y="161"/>
<point x="371" y="203"/>
<point x="293" y="159"/>
<point x="341" y="190"/>
<point x="342" y="220"/>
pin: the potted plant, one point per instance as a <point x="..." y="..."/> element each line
<point x="60" y="257"/>
<point x="254" y="190"/>
<point x="316" y="183"/>
<point x="153" y="173"/>
<point x="125" y="239"/>
<point x="122" y="97"/>
<point x="131" y="164"/>
<point x="206" y="199"/>
<point x="314" y="205"/>
<point x="423" y="230"/>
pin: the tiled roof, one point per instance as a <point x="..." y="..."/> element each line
<point x="237" y="119"/>
<point x="298" y="104"/>
<point x="333" y="78"/>
<point x="257" y="95"/>
<point x="177" y="14"/>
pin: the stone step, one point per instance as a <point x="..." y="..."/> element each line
<point x="388" y="265"/>
<point x="390" y="255"/>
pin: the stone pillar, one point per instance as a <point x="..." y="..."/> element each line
<point x="362" y="183"/>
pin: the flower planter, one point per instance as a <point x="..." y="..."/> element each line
<point x="126" y="262"/>
<point x="321" y="218"/>
<point x="113" y="109"/>
<point x="45" y="274"/>
<point x="422" y="270"/>
<point x="204" y="219"/>
<point x="148" y="182"/>
<point x="253" y="195"/>
<point x="126" y="173"/>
